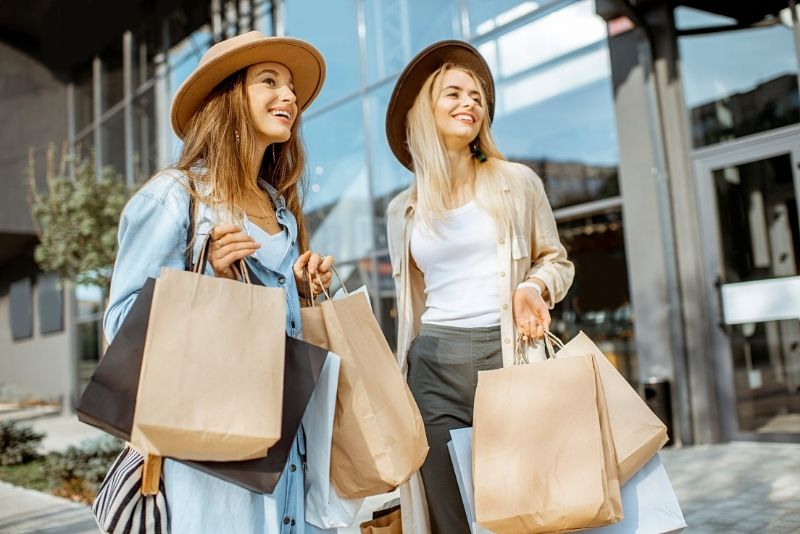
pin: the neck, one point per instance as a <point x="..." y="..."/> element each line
<point x="462" y="171"/>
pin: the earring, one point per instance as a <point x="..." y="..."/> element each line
<point x="237" y="136"/>
<point x="274" y="157"/>
<point x="476" y="151"/>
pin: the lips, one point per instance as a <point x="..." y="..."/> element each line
<point x="468" y="118"/>
<point x="282" y="114"/>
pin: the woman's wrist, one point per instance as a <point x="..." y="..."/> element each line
<point x="531" y="284"/>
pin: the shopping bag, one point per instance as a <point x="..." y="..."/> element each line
<point x="212" y="372"/>
<point x="390" y="523"/>
<point x="543" y="455"/>
<point x="378" y="435"/>
<point x="460" y="448"/>
<point x="324" y="507"/>
<point x="638" y="432"/>
<point x="109" y="400"/>
<point x="650" y="504"/>
<point x="648" y="499"/>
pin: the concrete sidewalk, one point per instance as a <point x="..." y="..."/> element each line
<point x="730" y="488"/>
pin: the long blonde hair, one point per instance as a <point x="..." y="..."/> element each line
<point x="220" y="138"/>
<point x="432" y="183"/>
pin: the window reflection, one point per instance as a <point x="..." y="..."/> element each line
<point x="389" y="177"/>
<point x="144" y="136"/>
<point x="598" y="302"/>
<point x="398" y="29"/>
<point x="337" y="201"/>
<point x="737" y="83"/>
<point x="339" y="47"/>
<point x="486" y="16"/>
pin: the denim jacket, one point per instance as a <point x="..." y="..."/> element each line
<point x="152" y="235"/>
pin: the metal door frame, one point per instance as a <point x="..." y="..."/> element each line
<point x="706" y="160"/>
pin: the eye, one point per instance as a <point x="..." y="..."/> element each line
<point x="452" y="94"/>
<point x="269" y="82"/>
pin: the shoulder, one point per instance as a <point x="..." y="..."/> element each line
<point x="397" y="205"/>
<point x="521" y="179"/>
<point x="167" y="191"/>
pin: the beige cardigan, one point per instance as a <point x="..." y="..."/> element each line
<point x="531" y="247"/>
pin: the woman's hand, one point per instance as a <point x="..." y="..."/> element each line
<point x="229" y="245"/>
<point x="531" y="314"/>
<point x="313" y="264"/>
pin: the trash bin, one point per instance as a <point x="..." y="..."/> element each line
<point x="657" y="395"/>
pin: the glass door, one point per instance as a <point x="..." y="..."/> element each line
<point x="748" y="193"/>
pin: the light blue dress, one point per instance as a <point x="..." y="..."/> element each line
<point x="152" y="235"/>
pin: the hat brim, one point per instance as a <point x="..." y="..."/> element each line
<point x="303" y="61"/>
<point x="412" y="79"/>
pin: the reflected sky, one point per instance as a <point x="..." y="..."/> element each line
<point x="721" y="64"/>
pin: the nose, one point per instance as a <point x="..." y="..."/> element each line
<point x="287" y="95"/>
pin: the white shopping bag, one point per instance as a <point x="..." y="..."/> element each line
<point x="649" y="504"/>
<point x="648" y="500"/>
<point x="460" y="448"/>
<point x="324" y="508"/>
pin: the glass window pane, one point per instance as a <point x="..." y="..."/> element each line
<point x="50" y="303"/>
<point x="758" y="212"/>
<point x="389" y="177"/>
<point x="737" y="83"/>
<point x="598" y="302"/>
<point x="144" y="51"/>
<point x="399" y="29"/>
<point x="486" y="16"/>
<point x="113" y="134"/>
<point x="21" y="309"/>
<point x="337" y="201"/>
<point x="111" y="80"/>
<point x="144" y="136"/>
<point x="263" y="16"/>
<point x="547" y="38"/>
<point x="84" y="110"/>
<point x="183" y="59"/>
<point x="573" y="145"/>
<point x="339" y="48"/>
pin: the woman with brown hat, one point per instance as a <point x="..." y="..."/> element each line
<point x="475" y="253"/>
<point x="242" y="162"/>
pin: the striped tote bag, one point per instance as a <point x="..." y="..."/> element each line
<point x="120" y="506"/>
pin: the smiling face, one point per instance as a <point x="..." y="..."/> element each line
<point x="272" y="102"/>
<point x="457" y="108"/>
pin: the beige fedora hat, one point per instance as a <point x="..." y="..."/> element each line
<point x="228" y="56"/>
<point x="413" y="77"/>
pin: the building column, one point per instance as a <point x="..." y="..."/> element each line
<point x="661" y="223"/>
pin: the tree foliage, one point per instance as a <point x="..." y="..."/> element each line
<point x="77" y="218"/>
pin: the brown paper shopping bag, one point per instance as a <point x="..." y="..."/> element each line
<point x="211" y="381"/>
<point x="378" y="434"/>
<point x="390" y="523"/>
<point x="638" y="432"/>
<point x="543" y="455"/>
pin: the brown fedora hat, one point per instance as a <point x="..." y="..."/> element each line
<point x="413" y="77"/>
<point x="228" y="56"/>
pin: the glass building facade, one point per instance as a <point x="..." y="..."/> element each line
<point x="554" y="113"/>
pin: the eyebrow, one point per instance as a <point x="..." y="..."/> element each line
<point x="274" y="73"/>
<point x="457" y="88"/>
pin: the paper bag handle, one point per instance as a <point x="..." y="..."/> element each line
<point x="239" y="268"/>
<point x="307" y="278"/>
<point x="151" y="474"/>
<point x="551" y="341"/>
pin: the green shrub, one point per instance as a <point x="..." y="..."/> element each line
<point x="18" y="443"/>
<point x="78" y="472"/>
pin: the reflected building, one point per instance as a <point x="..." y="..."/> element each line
<point x="666" y="134"/>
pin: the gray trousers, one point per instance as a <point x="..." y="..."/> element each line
<point x="443" y="365"/>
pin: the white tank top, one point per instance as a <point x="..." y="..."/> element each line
<point x="459" y="264"/>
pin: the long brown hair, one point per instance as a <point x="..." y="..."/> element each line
<point x="220" y="139"/>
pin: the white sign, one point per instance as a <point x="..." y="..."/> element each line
<point x="776" y="299"/>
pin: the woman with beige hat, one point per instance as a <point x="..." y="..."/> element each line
<point x="475" y="252"/>
<point x="242" y="163"/>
